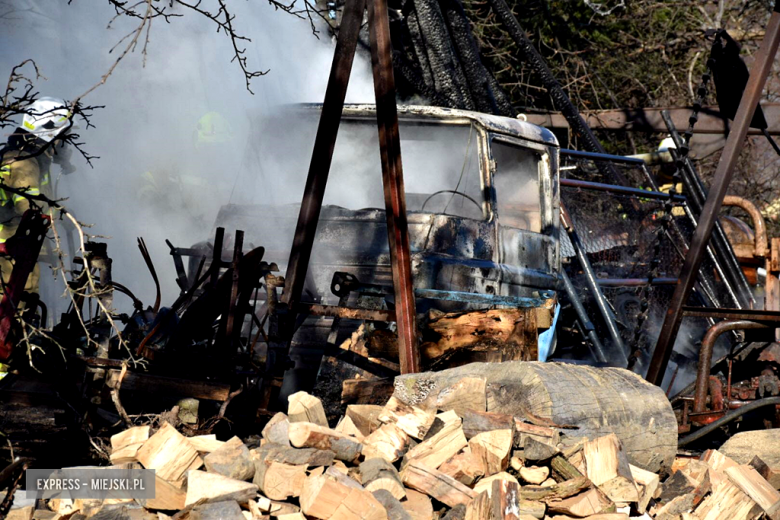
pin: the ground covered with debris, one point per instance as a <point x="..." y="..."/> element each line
<point x="450" y="455"/>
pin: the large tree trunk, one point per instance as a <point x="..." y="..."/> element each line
<point x="598" y="401"/>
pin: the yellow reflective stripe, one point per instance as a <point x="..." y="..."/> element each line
<point x="45" y="179"/>
<point x="30" y="191"/>
<point x="28" y="125"/>
<point x="5" y="171"/>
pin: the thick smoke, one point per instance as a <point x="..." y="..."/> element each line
<point x="151" y="113"/>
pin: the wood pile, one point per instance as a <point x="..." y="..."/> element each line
<point x="401" y="462"/>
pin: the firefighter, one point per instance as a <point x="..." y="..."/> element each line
<point x="24" y="164"/>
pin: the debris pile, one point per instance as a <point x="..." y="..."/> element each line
<point x="400" y="461"/>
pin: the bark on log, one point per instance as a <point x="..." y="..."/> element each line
<point x="598" y="401"/>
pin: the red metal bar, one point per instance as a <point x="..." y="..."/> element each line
<point x="393" y="180"/>
<point x="709" y="215"/>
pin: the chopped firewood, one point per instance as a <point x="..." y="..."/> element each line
<point x="231" y="460"/>
<point x="377" y="474"/>
<point x="603" y="516"/>
<point x="677" y="485"/>
<point x="696" y="471"/>
<point x="169" y="454"/>
<point x="22" y="513"/>
<point x="516" y="463"/>
<point x="310" y="435"/>
<point x="675" y="507"/>
<point x="319" y="470"/>
<point x="607" y="467"/>
<point x="347" y="427"/>
<point x="481" y="508"/>
<point x="291" y="516"/>
<point x="126" y="454"/>
<point x="543" y="434"/>
<point x="493" y="448"/>
<point x="365" y="417"/>
<point x="590" y="502"/>
<point x="555" y="491"/>
<point x="565" y="469"/>
<point x="435" y="450"/>
<point x="414" y="421"/>
<point x="309" y="457"/>
<point x="508" y="504"/>
<point x="727" y="501"/>
<point x="475" y="422"/>
<point x="134" y="435"/>
<point x="534" y="474"/>
<point x="750" y="482"/>
<point x="279" y="481"/>
<point x="205" y="443"/>
<point x="436" y="484"/>
<point x="388" y="442"/>
<point x="549" y="482"/>
<point x="486" y="484"/>
<point x="771" y="474"/>
<point x="537" y="452"/>
<point x="325" y="497"/>
<point x="418" y="505"/>
<point x="167" y="497"/>
<point x="646" y="482"/>
<point x="467" y="395"/>
<point x="366" y="391"/>
<point x="393" y="508"/>
<point x="277" y="429"/>
<point x="718" y="461"/>
<point x="456" y="513"/>
<point x="464" y="467"/>
<point x="304" y="407"/>
<point x="212" y="487"/>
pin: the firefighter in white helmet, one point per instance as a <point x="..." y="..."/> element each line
<point x="25" y="162"/>
<point x="666" y="174"/>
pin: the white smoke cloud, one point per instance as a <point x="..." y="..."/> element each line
<point x="151" y="113"/>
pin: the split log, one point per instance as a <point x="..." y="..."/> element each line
<point x="134" y="435"/>
<point x="675" y="507"/>
<point x="436" y="450"/>
<point x="231" y="460"/>
<point x="388" y="442"/>
<point x="365" y="417"/>
<point x="564" y="469"/>
<point x="366" y="391"/>
<point x="609" y="400"/>
<point x="750" y="482"/>
<point x="534" y="475"/>
<point x="493" y="448"/>
<point x="436" y="484"/>
<point x="608" y="468"/>
<point x="537" y="452"/>
<point x="303" y="407"/>
<point x="543" y="434"/>
<point x="211" y="487"/>
<point x="324" y="497"/>
<point x="507" y="503"/>
<point x="418" y="505"/>
<point x="394" y="509"/>
<point x="277" y="429"/>
<point x="486" y="484"/>
<point x="204" y="444"/>
<point x="377" y="473"/>
<point x="309" y="457"/>
<point x="771" y="474"/>
<point x="167" y="497"/>
<point x="309" y="435"/>
<point x="647" y="483"/>
<point x="560" y="491"/>
<point x="414" y="421"/>
<point x="718" y="463"/>
<point x="590" y="502"/>
<point x="476" y="422"/>
<point x="347" y="427"/>
<point x="464" y="467"/>
<point x="169" y="454"/>
<point x="727" y="501"/>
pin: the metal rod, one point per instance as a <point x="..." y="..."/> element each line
<point x="600" y="156"/>
<point x="619" y="350"/>
<point x="622" y="190"/>
<point x="393" y="180"/>
<point x="731" y="270"/>
<point x="596" y="348"/>
<point x="747" y="106"/>
<point x="705" y="357"/>
<point x="739" y="412"/>
<point x="322" y="156"/>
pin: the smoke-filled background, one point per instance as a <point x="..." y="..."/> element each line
<point x="148" y="128"/>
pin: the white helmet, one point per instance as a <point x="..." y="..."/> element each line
<point x="46" y="117"/>
<point x="666" y="144"/>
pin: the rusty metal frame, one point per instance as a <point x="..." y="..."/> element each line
<point x="392" y="173"/>
<point x="763" y="64"/>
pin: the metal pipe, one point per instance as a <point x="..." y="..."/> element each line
<point x="597" y="349"/>
<point x="634" y="282"/>
<point x="709" y="216"/>
<point x="622" y="190"/>
<point x="761" y="246"/>
<point x="732" y="272"/>
<point x="602" y="156"/>
<point x="705" y="357"/>
<point x="619" y="350"/>
<point x="754" y="405"/>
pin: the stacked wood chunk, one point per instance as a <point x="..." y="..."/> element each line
<point x="403" y="462"/>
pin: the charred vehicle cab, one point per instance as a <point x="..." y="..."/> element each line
<point x="481" y="198"/>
